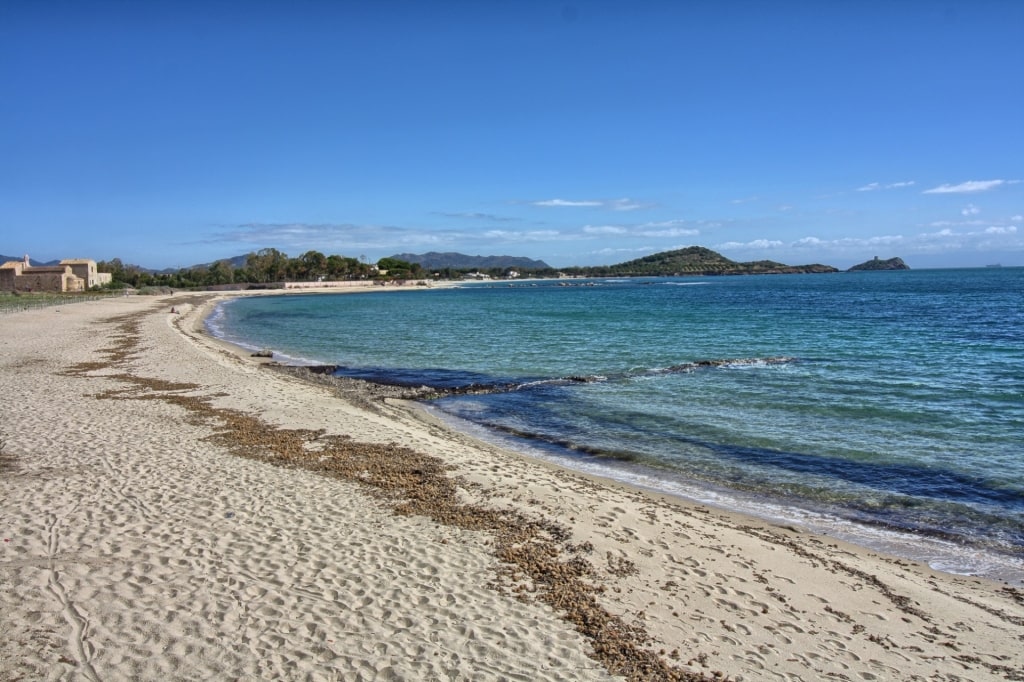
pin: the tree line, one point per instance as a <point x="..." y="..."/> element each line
<point x="269" y="266"/>
<point x="263" y="267"/>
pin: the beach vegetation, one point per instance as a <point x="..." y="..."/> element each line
<point x="393" y="268"/>
<point x="263" y="268"/>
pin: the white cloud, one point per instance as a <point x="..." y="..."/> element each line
<point x="744" y="200"/>
<point x="565" y="202"/>
<point x="664" y="229"/>
<point x="476" y="216"/>
<point x="957" y="223"/>
<point x="668" y="232"/>
<point x="624" y="204"/>
<point x="969" y="187"/>
<point x="524" y="236"/>
<point x="755" y="244"/>
<point x="604" y="229"/>
<point x="996" y="229"/>
<point x="334" y="237"/>
<point x="970" y="209"/>
<point x="678" y="222"/>
<point x="1018" y="218"/>
<point x="846" y="243"/>
<point x="610" y="251"/>
<point x="667" y="228"/>
<point x="872" y="186"/>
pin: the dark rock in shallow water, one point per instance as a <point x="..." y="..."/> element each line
<point x="878" y="264"/>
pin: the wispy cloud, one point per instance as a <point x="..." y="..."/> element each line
<point x="660" y="230"/>
<point x="468" y="215"/>
<point x="970" y="209"/>
<point x="955" y="223"/>
<point x="745" y="200"/>
<point x="547" y="203"/>
<point x="874" y="186"/>
<point x="943" y="237"/>
<point x="525" y="236"/>
<point x="969" y="187"/>
<point x="336" y="237"/>
<point x="625" y="251"/>
<point x="846" y="243"/>
<point x="604" y="229"/>
<point x="674" y="228"/>
<point x="757" y="244"/>
<point x="624" y="204"/>
<point x="666" y="229"/>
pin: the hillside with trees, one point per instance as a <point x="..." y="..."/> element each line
<point x="693" y="260"/>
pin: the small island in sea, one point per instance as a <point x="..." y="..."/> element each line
<point x="878" y="264"/>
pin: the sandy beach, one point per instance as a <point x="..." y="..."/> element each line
<point x="171" y="509"/>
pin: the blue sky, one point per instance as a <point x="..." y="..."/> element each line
<point x="175" y="133"/>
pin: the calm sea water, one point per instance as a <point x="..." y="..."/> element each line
<point x="884" y="408"/>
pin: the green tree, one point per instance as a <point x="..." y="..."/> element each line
<point x="314" y="264"/>
<point x="400" y="269"/>
<point x="221" y="272"/>
<point x="267" y="265"/>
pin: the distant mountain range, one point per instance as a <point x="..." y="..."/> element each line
<point x="32" y="261"/>
<point x="459" y="261"/>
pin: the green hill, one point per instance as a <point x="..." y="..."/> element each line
<point x="694" y="260"/>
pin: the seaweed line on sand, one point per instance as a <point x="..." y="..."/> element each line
<point x="535" y="555"/>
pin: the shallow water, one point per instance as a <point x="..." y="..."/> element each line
<point x="886" y="408"/>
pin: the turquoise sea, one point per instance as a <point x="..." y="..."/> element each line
<point x="884" y="408"/>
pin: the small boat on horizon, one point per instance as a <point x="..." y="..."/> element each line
<point x="994" y="265"/>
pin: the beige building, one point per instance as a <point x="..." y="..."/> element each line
<point x="86" y="269"/>
<point x="76" y="274"/>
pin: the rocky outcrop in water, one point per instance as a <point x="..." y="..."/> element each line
<point x="877" y="264"/>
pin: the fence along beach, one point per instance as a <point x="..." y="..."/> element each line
<point x="171" y="509"/>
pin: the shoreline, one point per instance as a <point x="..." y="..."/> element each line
<point x="138" y="542"/>
<point x="936" y="551"/>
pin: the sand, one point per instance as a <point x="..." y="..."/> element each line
<point x="172" y="509"/>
